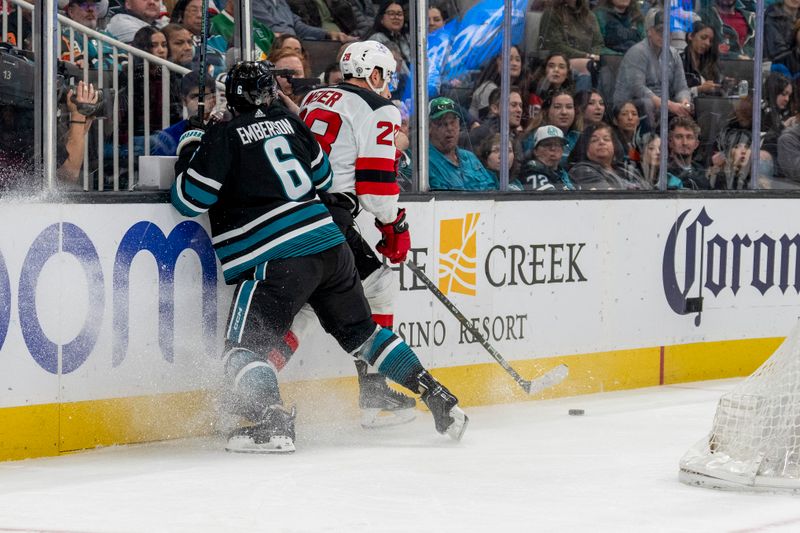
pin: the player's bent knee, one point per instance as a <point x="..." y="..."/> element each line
<point x="252" y="383"/>
<point x="381" y="288"/>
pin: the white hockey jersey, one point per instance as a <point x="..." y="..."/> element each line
<point x="356" y="127"/>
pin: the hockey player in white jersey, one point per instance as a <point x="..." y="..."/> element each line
<point x="356" y="126"/>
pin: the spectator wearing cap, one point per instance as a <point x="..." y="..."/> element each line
<point x="639" y="76"/>
<point x="137" y="14"/>
<point x="86" y="13"/>
<point x="544" y="172"/>
<point x="277" y="15"/>
<point x="165" y="142"/>
<point x="450" y="167"/>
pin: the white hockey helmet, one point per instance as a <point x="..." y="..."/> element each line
<point x="361" y="58"/>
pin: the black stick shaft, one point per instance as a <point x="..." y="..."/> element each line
<point x="201" y="87"/>
<point x="525" y="384"/>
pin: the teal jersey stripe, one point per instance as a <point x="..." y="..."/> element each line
<point x="182" y="207"/>
<point x="196" y="193"/>
<point x="309" y="243"/>
<point x="319" y="174"/>
<point x="263" y="235"/>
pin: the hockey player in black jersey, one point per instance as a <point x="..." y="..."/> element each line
<point x="258" y="177"/>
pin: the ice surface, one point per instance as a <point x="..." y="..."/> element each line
<point x="521" y="467"/>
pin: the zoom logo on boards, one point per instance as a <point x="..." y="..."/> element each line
<point x="68" y="238"/>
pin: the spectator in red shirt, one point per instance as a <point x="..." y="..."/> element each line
<point x="734" y="27"/>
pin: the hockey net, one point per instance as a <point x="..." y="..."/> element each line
<point x="754" y="442"/>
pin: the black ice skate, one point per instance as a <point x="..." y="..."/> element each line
<point x="381" y="406"/>
<point x="274" y="434"/>
<point x="447" y="415"/>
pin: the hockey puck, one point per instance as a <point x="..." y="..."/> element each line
<point x="576" y="412"/>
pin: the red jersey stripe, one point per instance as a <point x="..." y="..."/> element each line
<point x="375" y="163"/>
<point x="291" y="340"/>
<point x="386" y="321"/>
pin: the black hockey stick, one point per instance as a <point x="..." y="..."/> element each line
<point x="201" y="83"/>
<point x="552" y="377"/>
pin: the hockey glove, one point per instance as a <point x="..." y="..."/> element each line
<point x="190" y="138"/>
<point x="396" y="240"/>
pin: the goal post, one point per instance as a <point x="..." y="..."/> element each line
<point x="754" y="443"/>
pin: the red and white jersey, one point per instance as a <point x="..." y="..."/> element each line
<point x="356" y="127"/>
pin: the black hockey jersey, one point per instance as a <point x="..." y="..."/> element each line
<point x="356" y="128"/>
<point x="257" y="177"/>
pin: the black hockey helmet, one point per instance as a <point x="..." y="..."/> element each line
<point x="250" y="84"/>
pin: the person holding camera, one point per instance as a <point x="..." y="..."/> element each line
<point x="82" y="104"/>
<point x="16" y="133"/>
<point x="285" y="60"/>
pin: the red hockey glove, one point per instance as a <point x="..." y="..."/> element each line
<point x="395" y="240"/>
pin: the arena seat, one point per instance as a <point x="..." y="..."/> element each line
<point x="533" y="20"/>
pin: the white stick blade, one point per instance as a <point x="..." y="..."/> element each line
<point x="551" y="378"/>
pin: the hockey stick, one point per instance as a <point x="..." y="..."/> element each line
<point x="201" y="87"/>
<point x="552" y="377"/>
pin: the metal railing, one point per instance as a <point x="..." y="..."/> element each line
<point x="119" y="56"/>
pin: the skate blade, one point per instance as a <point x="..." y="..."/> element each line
<point x="247" y="445"/>
<point x="459" y="425"/>
<point x="378" y="418"/>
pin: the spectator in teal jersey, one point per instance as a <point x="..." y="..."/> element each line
<point x="450" y="167"/>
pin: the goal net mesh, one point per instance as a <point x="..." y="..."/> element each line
<point x="755" y="437"/>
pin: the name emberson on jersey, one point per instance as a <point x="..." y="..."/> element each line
<point x="356" y="128"/>
<point x="257" y="177"/>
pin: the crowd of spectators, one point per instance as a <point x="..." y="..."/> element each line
<point x="583" y="105"/>
<point x="595" y="77"/>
